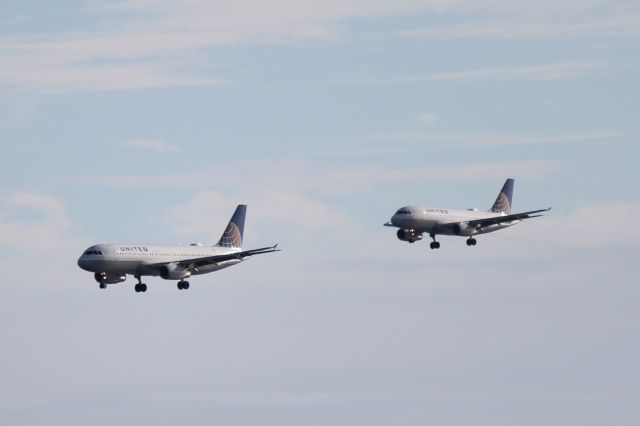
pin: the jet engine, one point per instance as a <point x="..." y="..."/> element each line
<point x="461" y="229"/>
<point x="409" y="235"/>
<point x="172" y="271"/>
<point x="106" y="278"/>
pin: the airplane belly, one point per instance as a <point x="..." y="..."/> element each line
<point x="421" y="225"/>
<point x="124" y="267"/>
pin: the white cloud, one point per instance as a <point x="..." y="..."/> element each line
<point x="594" y="227"/>
<point x="207" y="213"/>
<point x="34" y="222"/>
<point x="150" y="144"/>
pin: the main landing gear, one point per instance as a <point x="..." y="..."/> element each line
<point x="103" y="286"/>
<point x="471" y="241"/>
<point x="434" y="244"/>
<point x="140" y="287"/>
<point x="183" y="285"/>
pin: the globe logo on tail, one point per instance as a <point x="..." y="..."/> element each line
<point x="231" y="236"/>
<point x="502" y="204"/>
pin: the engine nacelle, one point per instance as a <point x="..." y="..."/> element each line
<point x="105" y="278"/>
<point x="172" y="271"/>
<point x="462" y="229"/>
<point x="409" y="235"/>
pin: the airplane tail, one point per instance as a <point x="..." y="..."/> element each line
<point x="503" y="202"/>
<point x="232" y="236"/>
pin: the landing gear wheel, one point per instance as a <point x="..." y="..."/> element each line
<point x="103" y="285"/>
<point x="471" y="241"/>
<point x="185" y="285"/>
<point x="140" y="287"/>
<point x="434" y="244"/>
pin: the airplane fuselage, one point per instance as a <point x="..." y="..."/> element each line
<point x="438" y="221"/>
<point x="111" y="263"/>
<point x="134" y="259"/>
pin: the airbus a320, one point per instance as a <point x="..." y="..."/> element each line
<point x="111" y="263"/>
<point x="414" y="221"/>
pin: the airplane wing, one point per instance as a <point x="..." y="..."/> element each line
<point x="241" y="255"/>
<point x="213" y="260"/>
<point x="481" y="223"/>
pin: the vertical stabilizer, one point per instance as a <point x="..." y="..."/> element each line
<point x="503" y="202"/>
<point x="232" y="236"/>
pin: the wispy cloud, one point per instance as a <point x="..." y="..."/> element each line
<point x="440" y="140"/>
<point x="617" y="26"/>
<point x="150" y="144"/>
<point x="412" y="143"/>
<point x="156" y="43"/>
<point x="146" y="44"/>
<point x="428" y="119"/>
<point x="555" y="71"/>
<point x="303" y="176"/>
<point x="338" y="180"/>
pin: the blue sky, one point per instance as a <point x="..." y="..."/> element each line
<point x="149" y="120"/>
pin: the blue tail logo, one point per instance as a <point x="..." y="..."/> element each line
<point x="232" y="235"/>
<point x="503" y="202"/>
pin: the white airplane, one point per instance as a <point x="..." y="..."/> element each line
<point x="112" y="262"/>
<point x="413" y="221"/>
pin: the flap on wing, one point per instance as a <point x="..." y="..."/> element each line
<point x="506" y="218"/>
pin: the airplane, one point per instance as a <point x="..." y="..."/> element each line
<point x="111" y="263"/>
<point x="413" y="221"/>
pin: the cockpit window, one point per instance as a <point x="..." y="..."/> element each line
<point x="93" y="252"/>
<point x="403" y="211"/>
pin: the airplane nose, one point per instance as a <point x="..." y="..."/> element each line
<point x="82" y="263"/>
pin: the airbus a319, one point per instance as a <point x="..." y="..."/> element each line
<point x="111" y="263"/>
<point x="414" y="221"/>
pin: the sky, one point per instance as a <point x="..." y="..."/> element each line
<point x="148" y="121"/>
